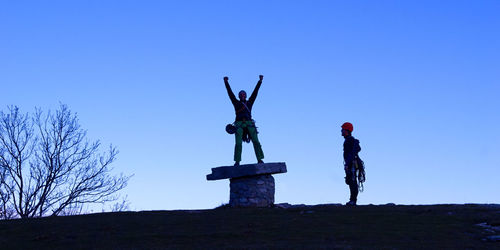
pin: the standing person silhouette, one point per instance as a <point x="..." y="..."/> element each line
<point x="353" y="165"/>
<point x="245" y="125"/>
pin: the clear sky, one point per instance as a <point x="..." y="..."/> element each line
<point x="418" y="79"/>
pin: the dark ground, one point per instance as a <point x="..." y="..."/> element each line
<point x="309" y="227"/>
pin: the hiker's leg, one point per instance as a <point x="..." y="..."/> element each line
<point x="350" y="179"/>
<point x="256" y="144"/>
<point x="238" y="141"/>
<point x="353" y="187"/>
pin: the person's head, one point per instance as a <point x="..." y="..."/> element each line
<point x="242" y="95"/>
<point x="347" y="129"/>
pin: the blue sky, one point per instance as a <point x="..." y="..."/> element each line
<point x="418" y="79"/>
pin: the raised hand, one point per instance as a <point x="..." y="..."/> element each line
<point x="226" y="78"/>
<point x="261" y="77"/>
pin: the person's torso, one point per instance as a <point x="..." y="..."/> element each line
<point x="243" y="111"/>
<point x="351" y="148"/>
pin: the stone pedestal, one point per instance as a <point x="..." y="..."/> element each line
<point x="251" y="185"/>
<point x="254" y="191"/>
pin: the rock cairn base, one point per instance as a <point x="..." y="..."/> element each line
<point x="251" y="185"/>
<point x="254" y="191"/>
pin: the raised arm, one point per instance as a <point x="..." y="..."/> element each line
<point x="229" y="91"/>
<point x="256" y="90"/>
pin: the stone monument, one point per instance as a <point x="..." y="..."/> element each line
<point x="251" y="185"/>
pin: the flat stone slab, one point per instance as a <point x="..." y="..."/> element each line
<point x="229" y="172"/>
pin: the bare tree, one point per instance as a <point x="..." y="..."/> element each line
<point x="5" y="211"/>
<point x="4" y="197"/>
<point x="121" y="205"/>
<point x="49" y="167"/>
<point x="17" y="146"/>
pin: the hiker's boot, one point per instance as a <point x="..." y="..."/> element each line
<point x="351" y="203"/>
<point x="236" y="163"/>
<point x="260" y="162"/>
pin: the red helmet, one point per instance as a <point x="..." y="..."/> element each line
<point x="348" y="126"/>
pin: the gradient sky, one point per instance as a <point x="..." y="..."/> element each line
<point x="418" y="79"/>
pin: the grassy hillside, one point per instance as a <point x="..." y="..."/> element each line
<point x="312" y="227"/>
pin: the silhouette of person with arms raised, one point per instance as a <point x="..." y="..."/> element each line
<point x="353" y="165"/>
<point x="244" y="124"/>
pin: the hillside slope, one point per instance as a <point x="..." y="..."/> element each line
<point x="311" y="227"/>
